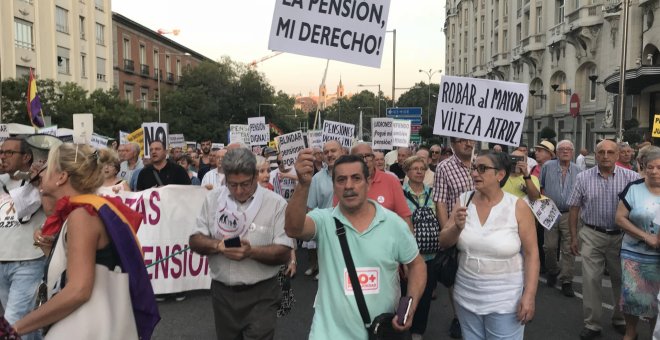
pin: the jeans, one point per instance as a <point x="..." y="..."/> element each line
<point x="490" y="326"/>
<point x="19" y="281"/>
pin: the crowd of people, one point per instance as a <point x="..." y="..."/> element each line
<point x="388" y="212"/>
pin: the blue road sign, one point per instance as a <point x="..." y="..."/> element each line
<point x="404" y="111"/>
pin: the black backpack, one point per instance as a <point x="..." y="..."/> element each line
<point x="425" y="225"/>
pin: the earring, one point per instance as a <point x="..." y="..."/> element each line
<point x="57" y="183"/>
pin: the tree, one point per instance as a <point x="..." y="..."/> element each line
<point x="547" y="133"/>
<point x="418" y="96"/>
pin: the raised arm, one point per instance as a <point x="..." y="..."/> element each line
<point x="296" y="222"/>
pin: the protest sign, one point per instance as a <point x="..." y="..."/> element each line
<point x="217" y="146"/>
<point x="51" y="130"/>
<point x="381" y="133"/>
<point x="348" y="31"/>
<point x="177" y="140"/>
<point x="239" y="133"/>
<point x="290" y="145"/>
<point x="401" y="133"/>
<point x="83" y="128"/>
<point x="259" y="132"/>
<point x="341" y="132"/>
<point x="545" y="211"/>
<point x="98" y="141"/>
<point x="137" y="136"/>
<point x="191" y="146"/>
<point x="167" y="223"/>
<point x="315" y="139"/>
<point x="4" y="132"/>
<point x="123" y="137"/>
<point x="656" y="126"/>
<point x="480" y="109"/>
<point x="152" y="132"/>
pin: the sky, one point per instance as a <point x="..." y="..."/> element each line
<point x="240" y="29"/>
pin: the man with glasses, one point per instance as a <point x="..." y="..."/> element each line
<point x="21" y="263"/>
<point x="131" y="163"/>
<point x="435" y="152"/>
<point x="452" y="178"/>
<point x="557" y="182"/>
<point x="241" y="230"/>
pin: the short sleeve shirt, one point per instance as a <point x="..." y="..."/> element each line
<point x="517" y="186"/>
<point x="321" y="190"/>
<point x="452" y="178"/>
<point x="377" y="253"/>
<point x="643" y="207"/>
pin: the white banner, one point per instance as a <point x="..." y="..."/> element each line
<point x="315" y="139"/>
<point x="239" y="133"/>
<point x="341" y="132"/>
<point x="177" y="140"/>
<point x="401" y="133"/>
<point x="99" y="142"/>
<point x="123" y="137"/>
<point x="290" y="145"/>
<point x="4" y="132"/>
<point x="545" y="211"/>
<point x="152" y="132"/>
<point x="480" y="109"/>
<point x="83" y="128"/>
<point x="259" y="131"/>
<point x="165" y="229"/>
<point x="51" y="130"/>
<point x="353" y="32"/>
<point x="381" y="133"/>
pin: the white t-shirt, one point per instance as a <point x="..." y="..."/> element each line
<point x="16" y="240"/>
<point x="283" y="186"/>
<point x="581" y="162"/>
<point x="214" y="178"/>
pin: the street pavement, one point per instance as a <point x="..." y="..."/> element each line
<point x="557" y="317"/>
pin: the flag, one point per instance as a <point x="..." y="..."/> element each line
<point x="35" y="113"/>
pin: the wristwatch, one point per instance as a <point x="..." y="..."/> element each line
<point x="527" y="177"/>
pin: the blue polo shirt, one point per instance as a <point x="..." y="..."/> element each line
<point x="320" y="190"/>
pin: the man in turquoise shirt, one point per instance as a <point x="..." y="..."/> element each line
<point x="378" y="239"/>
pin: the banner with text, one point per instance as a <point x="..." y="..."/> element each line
<point x="152" y="132"/>
<point x="381" y="133"/>
<point x="290" y="145"/>
<point x="239" y="133"/>
<point x="4" y="132"/>
<point x="51" y="130"/>
<point x="341" y="132"/>
<point x="656" y="126"/>
<point x="259" y="131"/>
<point x="177" y="140"/>
<point x="98" y="141"/>
<point x="137" y="136"/>
<point x="348" y="31"/>
<point x="315" y="139"/>
<point x="480" y="109"/>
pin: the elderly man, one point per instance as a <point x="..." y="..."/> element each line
<point x="594" y="199"/>
<point x="435" y="152"/>
<point x="379" y="242"/>
<point x="557" y="182"/>
<point x="543" y="152"/>
<point x="131" y="163"/>
<point x="161" y="171"/>
<point x="244" y="254"/>
<point x="215" y="177"/>
<point x="397" y="168"/>
<point x="626" y="154"/>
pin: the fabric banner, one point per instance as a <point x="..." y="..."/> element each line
<point x="51" y="130"/>
<point x="166" y="226"/>
<point x="545" y="211"/>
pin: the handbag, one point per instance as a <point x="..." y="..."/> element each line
<point x="445" y="263"/>
<point x="381" y="327"/>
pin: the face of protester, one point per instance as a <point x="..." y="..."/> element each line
<point x="425" y="155"/>
<point x="446" y="154"/>
<point x="121" y="151"/>
<point x="542" y="155"/>
<point x="241" y="186"/>
<point x="402" y="154"/>
<point x="109" y="171"/>
<point x="379" y="160"/>
<point x="463" y="148"/>
<point x="206" y="147"/>
<point x="350" y="186"/>
<point x="652" y="171"/>
<point x="157" y="153"/>
<point x="625" y="154"/>
<point x="264" y="176"/>
<point x="488" y="179"/>
<point x="12" y="157"/>
<point x="318" y="155"/>
<point x="607" y="153"/>
<point x="183" y="163"/>
<point x="176" y="153"/>
<point x="497" y="148"/>
<point x="565" y="152"/>
<point x="416" y="173"/>
<point x="365" y="151"/>
<point x="332" y="150"/>
<point x="219" y="156"/>
<point x="435" y="153"/>
<point x="195" y="159"/>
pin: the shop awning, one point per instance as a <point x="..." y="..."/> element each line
<point x="636" y="79"/>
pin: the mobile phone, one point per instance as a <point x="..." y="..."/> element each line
<point x="404" y="308"/>
<point x="514" y="162"/>
<point x="234" y="242"/>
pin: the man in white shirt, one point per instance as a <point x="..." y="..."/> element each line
<point x="215" y="177"/>
<point x="130" y="155"/>
<point x="581" y="160"/>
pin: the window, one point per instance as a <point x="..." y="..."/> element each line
<point x="127" y="49"/>
<point x="100" y="69"/>
<point x="518" y="33"/>
<point x="143" y="54"/>
<point x="83" y="65"/>
<point x="100" y="34"/>
<point x="61" y="20"/>
<point x="23" y="37"/>
<point x="98" y="4"/>
<point x="156" y="63"/>
<point x="144" y="100"/>
<point x="505" y="41"/>
<point x="128" y="93"/>
<point x="592" y="86"/>
<point x="559" y="11"/>
<point x="82" y="27"/>
<point x="577" y="4"/>
<point x="168" y="66"/>
<point x="178" y="69"/>
<point x="22" y="71"/>
<point x="63" y="61"/>
<point x="539" y="20"/>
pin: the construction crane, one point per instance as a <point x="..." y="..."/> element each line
<point x="254" y="63"/>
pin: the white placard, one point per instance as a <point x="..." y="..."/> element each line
<point x="99" y="142"/>
<point x="152" y="132"/>
<point x="259" y="131"/>
<point x="290" y="145"/>
<point x="123" y="137"/>
<point x="83" y="128"/>
<point x="545" y="211"/>
<point x="480" y="109"/>
<point x="4" y="132"/>
<point x="51" y="130"/>
<point x="191" y="146"/>
<point x="315" y="139"/>
<point x="177" y="140"/>
<point x="381" y="133"/>
<point x="341" y="132"/>
<point x="353" y="33"/>
<point x="401" y="133"/>
<point x="239" y="133"/>
<point x="217" y="146"/>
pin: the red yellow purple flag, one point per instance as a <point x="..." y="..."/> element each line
<point x="35" y="113"/>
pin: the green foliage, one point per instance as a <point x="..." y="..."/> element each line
<point x="418" y="96"/>
<point x="547" y="133"/>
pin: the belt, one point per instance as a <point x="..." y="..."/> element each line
<point x="242" y="288"/>
<point x="604" y="230"/>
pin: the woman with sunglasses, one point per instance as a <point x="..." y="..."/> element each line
<point x="498" y="260"/>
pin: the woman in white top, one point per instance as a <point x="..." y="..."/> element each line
<point x="498" y="261"/>
<point x="111" y="184"/>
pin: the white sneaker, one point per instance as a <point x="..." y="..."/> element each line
<point x="417" y="337"/>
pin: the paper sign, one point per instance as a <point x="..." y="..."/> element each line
<point x="239" y="133"/>
<point x="191" y="146"/>
<point x="401" y="133"/>
<point x="352" y="32"/>
<point x="341" y="132"/>
<point x="480" y="109"/>
<point x="152" y="132"/>
<point x="290" y="146"/>
<point x="4" y="132"/>
<point x="137" y="136"/>
<point x="217" y="146"/>
<point x="123" y="137"/>
<point x="315" y="139"/>
<point x="51" y="130"/>
<point x="656" y="126"/>
<point x="177" y="140"/>
<point x="381" y="133"/>
<point x="83" y="128"/>
<point x="545" y="211"/>
<point x="259" y="132"/>
<point x="99" y="142"/>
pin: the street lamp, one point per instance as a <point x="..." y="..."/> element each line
<point x="158" y="73"/>
<point x="375" y="85"/>
<point x="360" y="127"/>
<point x="273" y="105"/>
<point x="393" y="63"/>
<point x="430" y="74"/>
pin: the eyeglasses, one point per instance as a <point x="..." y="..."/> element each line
<point x="435" y="152"/>
<point x="365" y="156"/>
<point x="482" y="168"/>
<point x="418" y="169"/>
<point x="564" y="149"/>
<point x="10" y="153"/>
<point x="244" y="185"/>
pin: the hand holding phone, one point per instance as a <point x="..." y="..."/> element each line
<point x="403" y="310"/>
<point x="234" y="242"/>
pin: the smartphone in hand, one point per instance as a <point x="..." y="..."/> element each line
<point x="404" y="308"/>
<point x="234" y="242"/>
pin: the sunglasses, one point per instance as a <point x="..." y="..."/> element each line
<point x="481" y="168"/>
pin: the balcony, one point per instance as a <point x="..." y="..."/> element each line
<point x="129" y="66"/>
<point x="170" y="77"/>
<point x="144" y="70"/>
<point x="158" y="74"/>
<point x="585" y="16"/>
<point x="502" y="59"/>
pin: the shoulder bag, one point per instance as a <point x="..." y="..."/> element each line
<point x="425" y="224"/>
<point x="381" y="327"/>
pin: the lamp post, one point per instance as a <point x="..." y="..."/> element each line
<point x="360" y="128"/>
<point x="375" y="85"/>
<point x="273" y="105"/>
<point x="429" y="74"/>
<point x="622" y="67"/>
<point x="158" y="73"/>
<point x="393" y="63"/>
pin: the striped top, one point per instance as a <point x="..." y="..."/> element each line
<point x="452" y="178"/>
<point x="598" y="196"/>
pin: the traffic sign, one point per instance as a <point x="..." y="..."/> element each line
<point x="575" y="105"/>
<point x="416" y="138"/>
<point x="414" y="128"/>
<point x="404" y="111"/>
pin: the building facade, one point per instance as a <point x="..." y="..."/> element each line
<point x="144" y="61"/>
<point x="64" y="40"/>
<point x="562" y="49"/>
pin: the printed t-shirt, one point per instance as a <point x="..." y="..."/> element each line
<point x="281" y="185"/>
<point x="16" y="238"/>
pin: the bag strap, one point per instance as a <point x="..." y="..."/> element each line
<point x="411" y="198"/>
<point x="352" y="274"/>
<point x="158" y="180"/>
<point x="428" y="195"/>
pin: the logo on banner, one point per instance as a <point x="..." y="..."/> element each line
<point x="369" y="278"/>
<point x="230" y="223"/>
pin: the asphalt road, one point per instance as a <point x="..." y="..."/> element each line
<point x="557" y="317"/>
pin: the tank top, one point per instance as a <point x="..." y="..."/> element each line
<point x="490" y="265"/>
